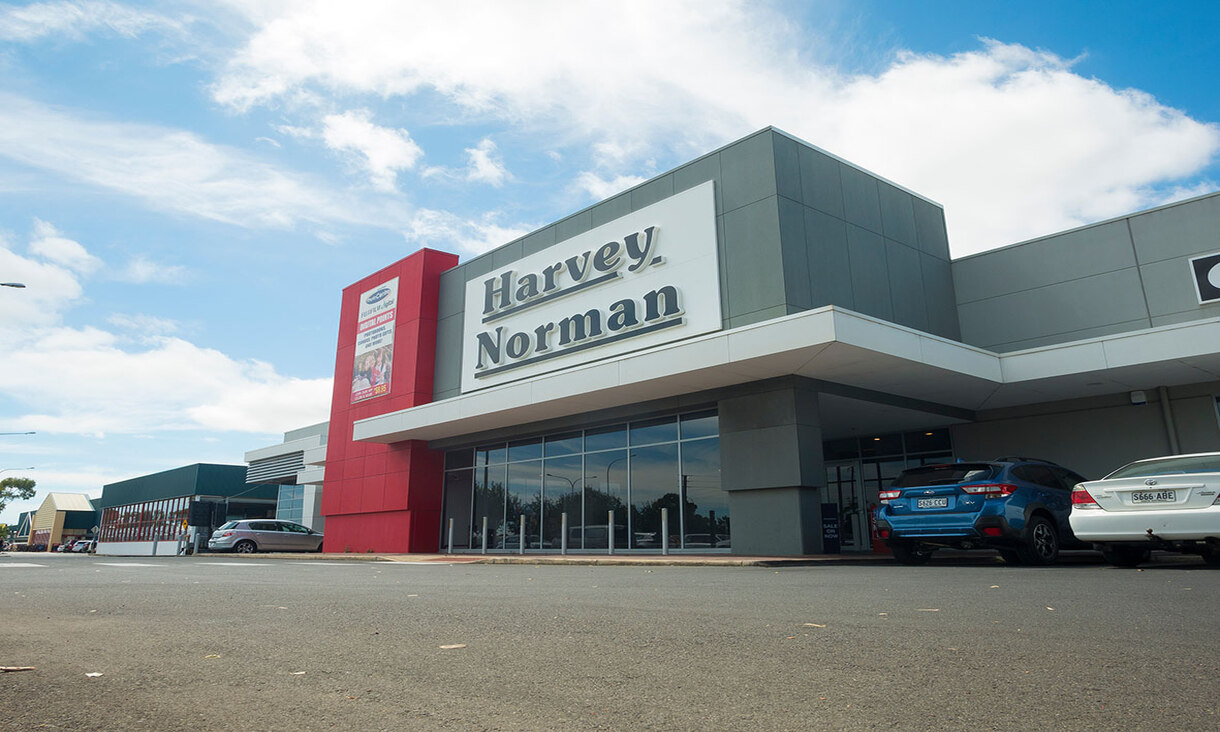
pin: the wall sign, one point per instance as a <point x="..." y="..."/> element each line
<point x="375" y="341"/>
<point x="1206" y="270"/>
<point x="647" y="278"/>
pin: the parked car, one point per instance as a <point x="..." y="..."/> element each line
<point x="84" y="546"/>
<point x="264" y="535"/>
<point x="1017" y="506"/>
<point x="1170" y="503"/>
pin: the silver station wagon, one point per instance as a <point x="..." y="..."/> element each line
<point x="264" y="535"/>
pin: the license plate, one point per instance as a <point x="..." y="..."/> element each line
<point x="1154" y="497"/>
<point x="931" y="502"/>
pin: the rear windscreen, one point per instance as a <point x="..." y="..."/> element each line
<point x="946" y="474"/>
<point x="1170" y="466"/>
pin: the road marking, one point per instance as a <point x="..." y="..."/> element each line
<point x="124" y="564"/>
<point x="414" y="564"/>
<point x="233" y="564"/>
<point x="20" y="564"/>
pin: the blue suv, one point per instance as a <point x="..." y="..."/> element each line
<point x="1018" y="506"/>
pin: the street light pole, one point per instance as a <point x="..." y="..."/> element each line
<point x="18" y="285"/>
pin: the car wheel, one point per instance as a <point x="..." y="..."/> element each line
<point x="244" y="547"/>
<point x="911" y="554"/>
<point x="319" y="549"/>
<point x="1011" y="556"/>
<point x="1125" y="556"/>
<point x="1041" y="545"/>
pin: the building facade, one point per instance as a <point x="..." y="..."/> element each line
<point x="737" y="355"/>
<point x="165" y="513"/>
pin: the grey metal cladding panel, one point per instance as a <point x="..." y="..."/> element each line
<point x="1204" y="311"/>
<point x="1169" y="286"/>
<point x="759" y="316"/>
<point x="704" y="169"/>
<point x="762" y="458"/>
<point x="861" y="202"/>
<point x="897" y="214"/>
<point x="930" y="228"/>
<point x="748" y="171"/>
<point x="829" y="262"/>
<point x="537" y="241"/>
<point x="1075" y="335"/>
<point x="787" y="167"/>
<point x="795" y="256"/>
<point x="870" y="279"/>
<point x="478" y="267"/>
<point x="652" y="191"/>
<point x="609" y="210"/>
<point x="906" y="285"/>
<point x="821" y="184"/>
<point x="448" y="374"/>
<point x="752" y="257"/>
<point x="1066" y="307"/>
<point x="1084" y="253"/>
<point x="573" y="225"/>
<point x="940" y="302"/>
<point x="1187" y="229"/>
<point x="452" y="299"/>
<point x="506" y="255"/>
<point x="757" y="411"/>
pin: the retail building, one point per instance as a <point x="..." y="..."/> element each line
<point x="755" y="342"/>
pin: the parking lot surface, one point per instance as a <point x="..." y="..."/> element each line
<point x="218" y="642"/>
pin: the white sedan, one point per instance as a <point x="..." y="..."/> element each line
<point x="1170" y="503"/>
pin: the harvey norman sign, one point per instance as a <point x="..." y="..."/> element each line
<point x="647" y="278"/>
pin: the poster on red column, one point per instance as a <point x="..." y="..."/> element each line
<point x="374" y="342"/>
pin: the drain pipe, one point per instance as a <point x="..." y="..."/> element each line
<point x="1170" y="428"/>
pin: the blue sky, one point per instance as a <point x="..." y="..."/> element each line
<point x="185" y="187"/>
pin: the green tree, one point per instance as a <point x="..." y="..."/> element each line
<point x="15" y="489"/>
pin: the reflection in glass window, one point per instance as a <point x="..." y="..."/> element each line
<point x="705" y="504"/>
<point x="523" y="496"/>
<point x="489" y="503"/>
<point x="605" y="491"/>
<point x="606" y="438"/>
<point x="569" y="444"/>
<point x="673" y="463"/>
<point x="700" y="424"/>
<point x="653" y="431"/>
<point x="654" y="485"/>
<point x="561" y="491"/>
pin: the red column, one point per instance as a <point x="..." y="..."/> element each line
<point x="386" y="498"/>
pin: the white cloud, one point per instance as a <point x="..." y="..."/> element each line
<point x="485" y="165"/>
<point x="141" y="270"/>
<point x="1012" y="141"/>
<point x="91" y="381"/>
<point x="439" y="229"/>
<point x="75" y="20"/>
<point x="380" y="151"/>
<point x="49" y="244"/>
<point x="174" y="170"/>
<point x="599" y="188"/>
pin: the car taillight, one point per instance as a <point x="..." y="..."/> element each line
<point x="223" y="534"/>
<point x="1082" y="498"/>
<point x="887" y="496"/>
<point x="990" y="490"/>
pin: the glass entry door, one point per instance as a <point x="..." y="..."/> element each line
<point x="845" y="487"/>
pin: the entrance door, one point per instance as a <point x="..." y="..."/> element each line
<point x="845" y="486"/>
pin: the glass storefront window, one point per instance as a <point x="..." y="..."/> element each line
<point x="673" y="464"/>
<point x="700" y="424"/>
<point x="523" y="496"/>
<point x="654" y="485"/>
<point x="524" y="450"/>
<point x="569" y="444"/>
<point x="652" y="431"/>
<point x="491" y="455"/>
<point x="605" y="490"/>
<point x="705" y="520"/>
<point x="606" y="438"/>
